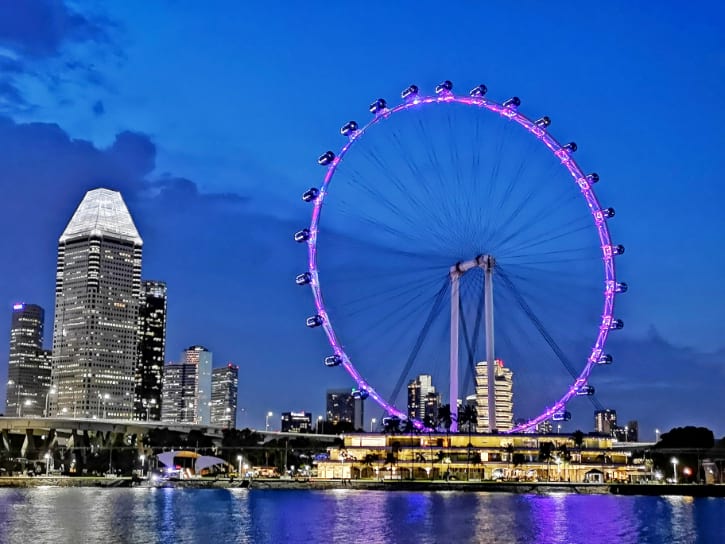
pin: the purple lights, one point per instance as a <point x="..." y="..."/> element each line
<point x="583" y="184"/>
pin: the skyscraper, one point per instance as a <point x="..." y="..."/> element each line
<point x="605" y="421"/>
<point x="503" y="396"/>
<point x="151" y="351"/>
<point x="343" y="407"/>
<point x="179" y="398"/>
<point x="95" y="334"/>
<point x="423" y="400"/>
<point x="28" y="384"/>
<point x="202" y="358"/>
<point x="224" y="388"/>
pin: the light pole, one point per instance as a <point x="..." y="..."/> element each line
<point x="674" y="467"/>
<point x="657" y="435"/>
<point x="51" y="391"/>
<point x="47" y="464"/>
<point x="239" y="462"/>
<point x="266" y="420"/>
<point x="373" y="421"/>
<point x="142" y="458"/>
<point x="27" y="402"/>
<point x="558" y="428"/>
<point x="319" y="425"/>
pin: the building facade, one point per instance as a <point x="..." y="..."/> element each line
<point x="95" y="333"/>
<point x="423" y="400"/>
<point x="28" y="385"/>
<point x="296" y="422"/>
<point x="179" y="399"/>
<point x="224" y="392"/>
<point x="605" y="422"/>
<point x="503" y="396"/>
<point x="151" y="351"/>
<point x="343" y="407"/>
<point x="202" y="359"/>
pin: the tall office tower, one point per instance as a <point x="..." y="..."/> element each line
<point x="503" y="396"/>
<point x="343" y="407"/>
<point x="95" y="334"/>
<point x="605" y="421"/>
<point x="151" y="351"/>
<point x="179" y="397"/>
<point x="423" y="400"/>
<point x="224" y="388"/>
<point x="28" y="383"/>
<point x="202" y="358"/>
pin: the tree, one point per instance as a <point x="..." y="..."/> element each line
<point x="445" y="418"/>
<point x="546" y="451"/>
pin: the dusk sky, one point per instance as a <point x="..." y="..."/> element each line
<point x="209" y="118"/>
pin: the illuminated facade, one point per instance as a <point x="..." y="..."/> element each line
<point x="202" y="359"/>
<point x="28" y="383"/>
<point x="343" y="407"/>
<point x="179" y="399"/>
<point x="423" y="400"/>
<point x="296" y="422"/>
<point x="151" y="351"/>
<point x="605" y="422"/>
<point x="224" y="390"/>
<point x="95" y="334"/>
<point x="503" y="396"/>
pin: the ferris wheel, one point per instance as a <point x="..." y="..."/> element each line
<point x="448" y="201"/>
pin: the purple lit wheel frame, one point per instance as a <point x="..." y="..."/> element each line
<point x="581" y="181"/>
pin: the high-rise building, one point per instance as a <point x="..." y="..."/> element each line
<point x="296" y="422"/>
<point x="179" y="393"/>
<point x="224" y="389"/>
<point x="632" y="431"/>
<point x="605" y="421"/>
<point x="151" y="351"/>
<point x="423" y="400"/>
<point x="28" y="386"/>
<point x="202" y="358"/>
<point x="343" y="407"/>
<point x="503" y="396"/>
<point x="95" y="334"/>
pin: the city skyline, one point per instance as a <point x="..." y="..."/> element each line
<point x="238" y="201"/>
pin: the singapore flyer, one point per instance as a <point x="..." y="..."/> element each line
<point x="458" y="255"/>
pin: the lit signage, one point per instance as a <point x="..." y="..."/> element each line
<point x="18" y="306"/>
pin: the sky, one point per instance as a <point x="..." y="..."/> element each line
<point x="209" y="117"/>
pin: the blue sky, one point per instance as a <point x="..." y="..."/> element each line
<point x="223" y="108"/>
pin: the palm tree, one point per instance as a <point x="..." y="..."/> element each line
<point x="468" y="416"/>
<point x="510" y="450"/>
<point x="546" y="450"/>
<point x="445" y="417"/>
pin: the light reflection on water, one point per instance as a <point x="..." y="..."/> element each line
<point x="216" y="515"/>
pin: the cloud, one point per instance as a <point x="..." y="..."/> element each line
<point x="98" y="108"/>
<point x="50" y="43"/>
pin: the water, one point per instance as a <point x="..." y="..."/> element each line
<point x="225" y="516"/>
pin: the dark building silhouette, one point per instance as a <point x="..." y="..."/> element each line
<point x="151" y="351"/>
<point x="343" y="407"/>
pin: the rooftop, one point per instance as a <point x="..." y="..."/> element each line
<point x="102" y="212"/>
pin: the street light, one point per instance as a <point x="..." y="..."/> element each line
<point x="142" y="458"/>
<point x="319" y="424"/>
<point x="373" y="421"/>
<point x="239" y="462"/>
<point x="147" y="404"/>
<point x="51" y="391"/>
<point x="27" y="402"/>
<point x="266" y="420"/>
<point x="657" y="435"/>
<point x="47" y="464"/>
<point x="558" y="428"/>
<point x="674" y="467"/>
<point x="102" y="399"/>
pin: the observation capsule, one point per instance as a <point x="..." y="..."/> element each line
<point x="310" y="194"/>
<point x="478" y="91"/>
<point x="621" y="287"/>
<point x="608" y="212"/>
<point x="361" y="394"/>
<point x="314" y="321"/>
<point x="571" y="147"/>
<point x="333" y="360"/>
<point x="618" y="249"/>
<point x="303" y="279"/>
<point x="348" y="128"/>
<point x="617" y="324"/>
<point x="561" y="415"/>
<point x="410" y="92"/>
<point x="593" y="177"/>
<point x="379" y="105"/>
<point x="302" y="235"/>
<point x="444" y="87"/>
<point x="326" y="158"/>
<point x="585" y="391"/>
<point x="513" y="102"/>
<point x="543" y="122"/>
<point x="605" y="359"/>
